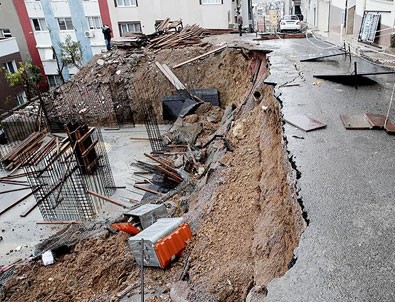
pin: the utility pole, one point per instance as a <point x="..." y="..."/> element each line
<point x="250" y="17"/>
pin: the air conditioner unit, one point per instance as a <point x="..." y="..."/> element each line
<point x="89" y="34"/>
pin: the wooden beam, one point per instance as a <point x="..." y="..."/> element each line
<point x="105" y="198"/>
<point x="170" y="76"/>
<point x="147" y="190"/>
<point x="199" y="57"/>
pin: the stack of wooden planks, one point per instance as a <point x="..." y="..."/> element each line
<point x="190" y="35"/>
<point x="22" y="153"/>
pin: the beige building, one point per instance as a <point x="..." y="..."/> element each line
<point x="141" y="16"/>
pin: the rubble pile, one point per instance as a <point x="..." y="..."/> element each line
<point x="236" y="189"/>
<point x="190" y="35"/>
<point x="113" y="86"/>
<point x="99" y="91"/>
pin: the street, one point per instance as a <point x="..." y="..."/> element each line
<point x="346" y="253"/>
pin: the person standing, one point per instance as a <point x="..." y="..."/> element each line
<point x="240" y="23"/>
<point x="107" y="36"/>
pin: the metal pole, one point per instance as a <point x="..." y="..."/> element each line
<point x="142" y="270"/>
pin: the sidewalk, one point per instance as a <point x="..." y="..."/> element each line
<point x="385" y="58"/>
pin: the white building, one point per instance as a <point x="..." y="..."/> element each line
<point x="53" y="20"/>
<point x="368" y="21"/>
<point x="141" y="16"/>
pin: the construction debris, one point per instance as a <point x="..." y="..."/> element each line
<point x="163" y="241"/>
<point x="304" y="122"/>
<point x="199" y="57"/>
<point x="368" y="121"/>
<point x="190" y="35"/>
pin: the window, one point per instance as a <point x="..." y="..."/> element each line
<point x="10" y="66"/>
<point x="211" y="1"/>
<point x="5" y="33"/>
<point x="54" y="81"/>
<point x="39" y="24"/>
<point x="94" y="22"/>
<point x="65" y="24"/>
<point x="21" y="98"/>
<point x="125" y="3"/>
<point x="133" y="27"/>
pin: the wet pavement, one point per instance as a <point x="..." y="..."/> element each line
<point x="347" y="251"/>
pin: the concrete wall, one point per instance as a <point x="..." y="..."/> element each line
<point x="323" y="15"/>
<point x="9" y="52"/>
<point x="9" y="19"/>
<point x="336" y="22"/>
<point x="190" y="11"/>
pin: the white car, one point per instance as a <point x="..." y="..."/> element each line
<point x="290" y="22"/>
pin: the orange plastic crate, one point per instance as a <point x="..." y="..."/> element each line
<point x="172" y="245"/>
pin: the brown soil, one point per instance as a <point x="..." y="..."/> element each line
<point x="244" y="214"/>
<point x="252" y="223"/>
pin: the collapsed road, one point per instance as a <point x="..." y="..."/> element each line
<point x="244" y="208"/>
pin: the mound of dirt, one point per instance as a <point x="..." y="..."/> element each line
<point x="113" y="87"/>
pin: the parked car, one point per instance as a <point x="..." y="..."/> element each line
<point x="290" y="22"/>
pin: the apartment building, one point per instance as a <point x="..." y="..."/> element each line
<point x="51" y="21"/>
<point x="141" y="16"/>
<point x="10" y="96"/>
<point x="11" y="27"/>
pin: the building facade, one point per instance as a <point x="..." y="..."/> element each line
<point x="367" y="21"/>
<point x="11" y="27"/>
<point x="141" y="16"/>
<point x="52" y="21"/>
<point x="10" y="96"/>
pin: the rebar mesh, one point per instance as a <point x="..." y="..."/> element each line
<point x="62" y="179"/>
<point x="152" y="128"/>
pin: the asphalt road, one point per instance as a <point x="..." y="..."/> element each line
<point x="347" y="253"/>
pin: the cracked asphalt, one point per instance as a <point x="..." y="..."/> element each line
<point x="347" y="253"/>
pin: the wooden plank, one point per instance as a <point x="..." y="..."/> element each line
<point x="163" y="163"/>
<point x="105" y="198"/>
<point x="170" y="76"/>
<point x="147" y="190"/>
<point x="86" y="135"/>
<point x="199" y="57"/>
<point x="171" y="175"/>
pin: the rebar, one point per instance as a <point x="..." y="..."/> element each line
<point x="152" y="128"/>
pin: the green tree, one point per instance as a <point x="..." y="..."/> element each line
<point x="71" y="53"/>
<point x="27" y="75"/>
